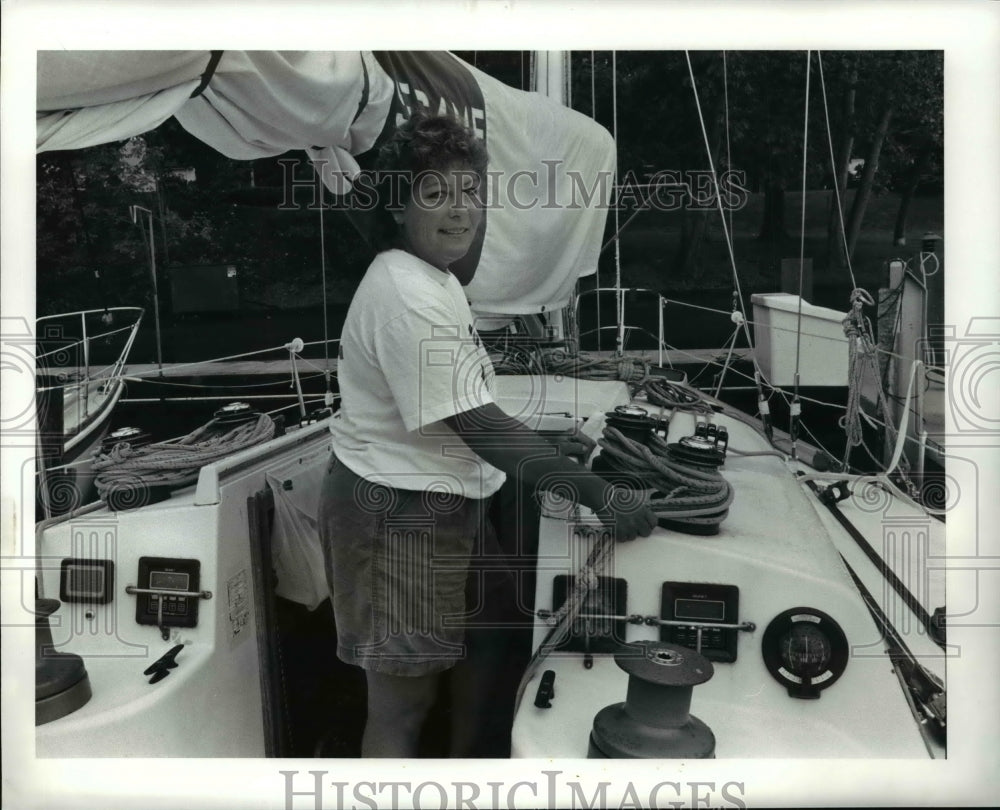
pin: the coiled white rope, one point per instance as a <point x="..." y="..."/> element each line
<point x="177" y="462"/>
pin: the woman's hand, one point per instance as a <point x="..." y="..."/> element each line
<point x="627" y="514"/>
<point x="578" y="445"/>
<point x="522" y="453"/>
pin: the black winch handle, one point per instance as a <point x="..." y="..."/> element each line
<point x="546" y="690"/>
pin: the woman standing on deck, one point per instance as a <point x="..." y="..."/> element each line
<point x="420" y="445"/>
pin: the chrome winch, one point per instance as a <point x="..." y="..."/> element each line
<point x="706" y="448"/>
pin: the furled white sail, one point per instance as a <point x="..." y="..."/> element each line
<point x="254" y="104"/>
<point x="551" y="169"/>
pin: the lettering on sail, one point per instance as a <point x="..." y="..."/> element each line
<point x="473" y="117"/>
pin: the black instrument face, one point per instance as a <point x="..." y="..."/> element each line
<point x="170" y="578"/>
<point x="703" y="604"/>
<point x="805" y="650"/>
<point x="86" y="580"/>
<point x="600" y="625"/>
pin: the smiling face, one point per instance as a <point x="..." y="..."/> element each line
<point x="442" y="217"/>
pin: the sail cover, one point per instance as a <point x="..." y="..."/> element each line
<point x="551" y="169"/>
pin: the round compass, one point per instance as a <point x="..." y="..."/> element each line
<point x="805" y="650"/>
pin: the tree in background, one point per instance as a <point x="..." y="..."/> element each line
<point x="899" y="114"/>
<point x="84" y="238"/>
<point x="885" y="106"/>
<point x="916" y="151"/>
<point x="207" y="209"/>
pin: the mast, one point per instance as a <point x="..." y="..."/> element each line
<point x="550" y="77"/>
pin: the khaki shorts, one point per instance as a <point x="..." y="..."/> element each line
<point x="396" y="564"/>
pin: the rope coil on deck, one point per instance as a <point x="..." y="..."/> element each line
<point x="583" y="365"/>
<point x="131" y="472"/>
<point x="666" y="394"/>
<point x="688" y="494"/>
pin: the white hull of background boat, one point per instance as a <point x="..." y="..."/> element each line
<point x="85" y="393"/>
<point x="786" y="327"/>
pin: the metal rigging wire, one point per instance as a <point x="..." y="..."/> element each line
<point x="727" y="231"/>
<point x="833" y="166"/>
<point x="619" y="295"/>
<point x="796" y="408"/>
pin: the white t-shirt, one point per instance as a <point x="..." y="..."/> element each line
<point x="409" y="357"/>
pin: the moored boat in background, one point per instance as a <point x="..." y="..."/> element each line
<point x="80" y="368"/>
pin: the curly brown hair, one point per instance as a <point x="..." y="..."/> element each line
<point x="422" y="143"/>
